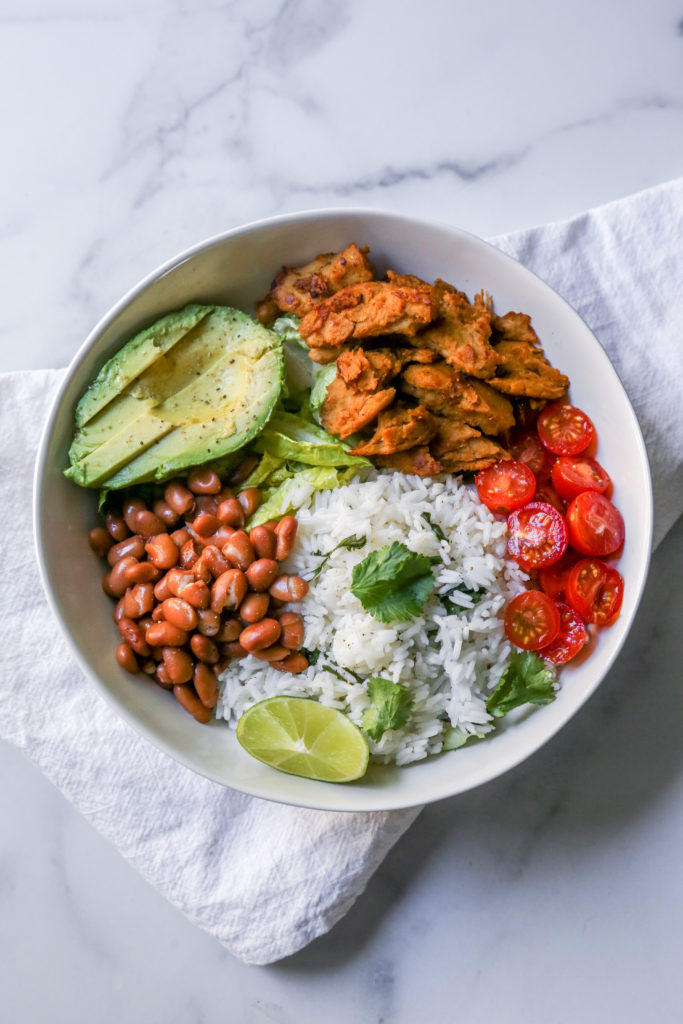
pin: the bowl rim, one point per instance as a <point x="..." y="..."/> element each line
<point x="384" y="802"/>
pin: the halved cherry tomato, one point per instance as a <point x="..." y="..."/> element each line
<point x="569" y="640"/>
<point x="531" y="620"/>
<point x="553" y="579"/>
<point x="546" y="492"/>
<point x="595" y="590"/>
<point x="595" y="525"/>
<point x="537" y="535"/>
<point x="573" y="474"/>
<point x="506" y="485"/>
<point x="564" y="429"/>
<point x="525" y="446"/>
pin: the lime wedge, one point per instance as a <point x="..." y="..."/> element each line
<point x="302" y="737"/>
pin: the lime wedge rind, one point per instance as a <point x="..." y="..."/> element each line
<point x="299" y="736"/>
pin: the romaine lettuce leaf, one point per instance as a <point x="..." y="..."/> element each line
<point x="323" y="379"/>
<point x="288" y="436"/>
<point x="294" y="492"/>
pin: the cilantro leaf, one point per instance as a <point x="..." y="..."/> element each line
<point x="392" y="704"/>
<point x="526" y="680"/>
<point x="454" y="609"/>
<point x="352" y="543"/>
<point x="438" y="532"/>
<point x="393" y="583"/>
<point x="311" y="656"/>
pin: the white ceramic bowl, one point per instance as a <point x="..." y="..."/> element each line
<point x="236" y="268"/>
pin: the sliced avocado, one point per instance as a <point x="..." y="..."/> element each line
<point x="134" y="358"/>
<point x="205" y="398"/>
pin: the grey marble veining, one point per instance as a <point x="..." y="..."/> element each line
<point x="132" y="130"/>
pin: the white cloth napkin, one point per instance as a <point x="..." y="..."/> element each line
<point x="266" y="879"/>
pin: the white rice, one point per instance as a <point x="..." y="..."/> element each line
<point x="450" y="662"/>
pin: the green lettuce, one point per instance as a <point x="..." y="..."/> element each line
<point x="297" y="489"/>
<point x="323" y="379"/>
<point x="290" y="436"/>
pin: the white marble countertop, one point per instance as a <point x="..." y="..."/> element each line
<point x="132" y="130"/>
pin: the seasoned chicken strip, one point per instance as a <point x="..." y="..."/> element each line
<point x="416" y="460"/>
<point x="399" y="429"/>
<point x="513" y="327"/>
<point x="357" y="394"/>
<point x="448" y="393"/>
<point x="459" y="447"/>
<point x="297" y="289"/>
<point x="524" y="370"/>
<point x="365" y="311"/>
<point x="461" y="333"/>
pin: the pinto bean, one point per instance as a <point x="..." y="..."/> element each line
<point x="262" y="573"/>
<point x="250" y="500"/>
<point x="147" y="524"/>
<point x="143" y="572"/>
<point x="164" y="511"/>
<point x="215" y="560"/>
<point x="179" y="613"/>
<point x="148" y="666"/>
<point x="228" y="590"/>
<point x="100" y="541"/>
<point x="131" y="507"/>
<point x="201" y="570"/>
<point x="293" y="663"/>
<point x="138" y="600"/>
<point x="134" y="546"/>
<point x="115" y="582"/>
<point x="196" y="593"/>
<point x="179" y="664"/>
<point x="204" y="481"/>
<point x="206" y="504"/>
<point x="263" y="541"/>
<point x="165" y="634"/>
<point x="126" y="658"/>
<point x="177" y="579"/>
<point x="158" y="613"/>
<point x="231" y="513"/>
<point x="180" y="537"/>
<point x="229" y="631"/>
<point x="292" y="630"/>
<point x="234" y="650"/>
<point x="205" y="524"/>
<point x="188" y="554"/>
<point x="254" y="607"/>
<point x="162" y="551"/>
<point x="204" y="649"/>
<point x="288" y="588"/>
<point x="276" y="652"/>
<point x="208" y="622"/>
<point x="244" y="470"/>
<point x="260" y="635"/>
<point x="134" y="636"/>
<point x="206" y="685"/>
<point x="178" y="497"/>
<point x="224" y="494"/>
<point x="285" y="531"/>
<point x="161" y="591"/>
<point x="221" y="536"/>
<point x="162" y="677"/>
<point x="187" y="696"/>
<point x="239" y="550"/>
<point x="116" y="526"/>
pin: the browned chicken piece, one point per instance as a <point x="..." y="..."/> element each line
<point x="416" y="460"/>
<point x="410" y="355"/>
<point x="368" y="370"/>
<point x="366" y="311"/>
<point x="459" y="447"/>
<point x="461" y="334"/>
<point x="357" y="394"/>
<point x="297" y="289"/>
<point x="266" y="311"/>
<point x="397" y="430"/>
<point x="524" y="370"/>
<point x="513" y="327"/>
<point x="448" y="393"/>
<point x="407" y="280"/>
<point x="325" y="354"/>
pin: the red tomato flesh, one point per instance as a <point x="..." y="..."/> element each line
<point x="595" y="590"/>
<point x="564" y="429"/>
<point x="553" y="579"/>
<point x="570" y="639"/>
<point x="526" y="447"/>
<point x="531" y="620"/>
<point x="537" y="535"/>
<point x="506" y="485"/>
<point x="547" y="493"/>
<point x="595" y="525"/>
<point x="572" y="474"/>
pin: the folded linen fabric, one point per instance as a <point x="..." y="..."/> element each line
<point x="264" y="878"/>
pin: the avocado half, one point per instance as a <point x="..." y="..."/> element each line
<point x="195" y="386"/>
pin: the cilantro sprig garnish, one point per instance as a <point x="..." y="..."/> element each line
<point x="436" y="529"/>
<point x="391" y="707"/>
<point x="393" y="582"/>
<point x="452" y="608"/>
<point x="526" y="680"/>
<point x="352" y="543"/>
